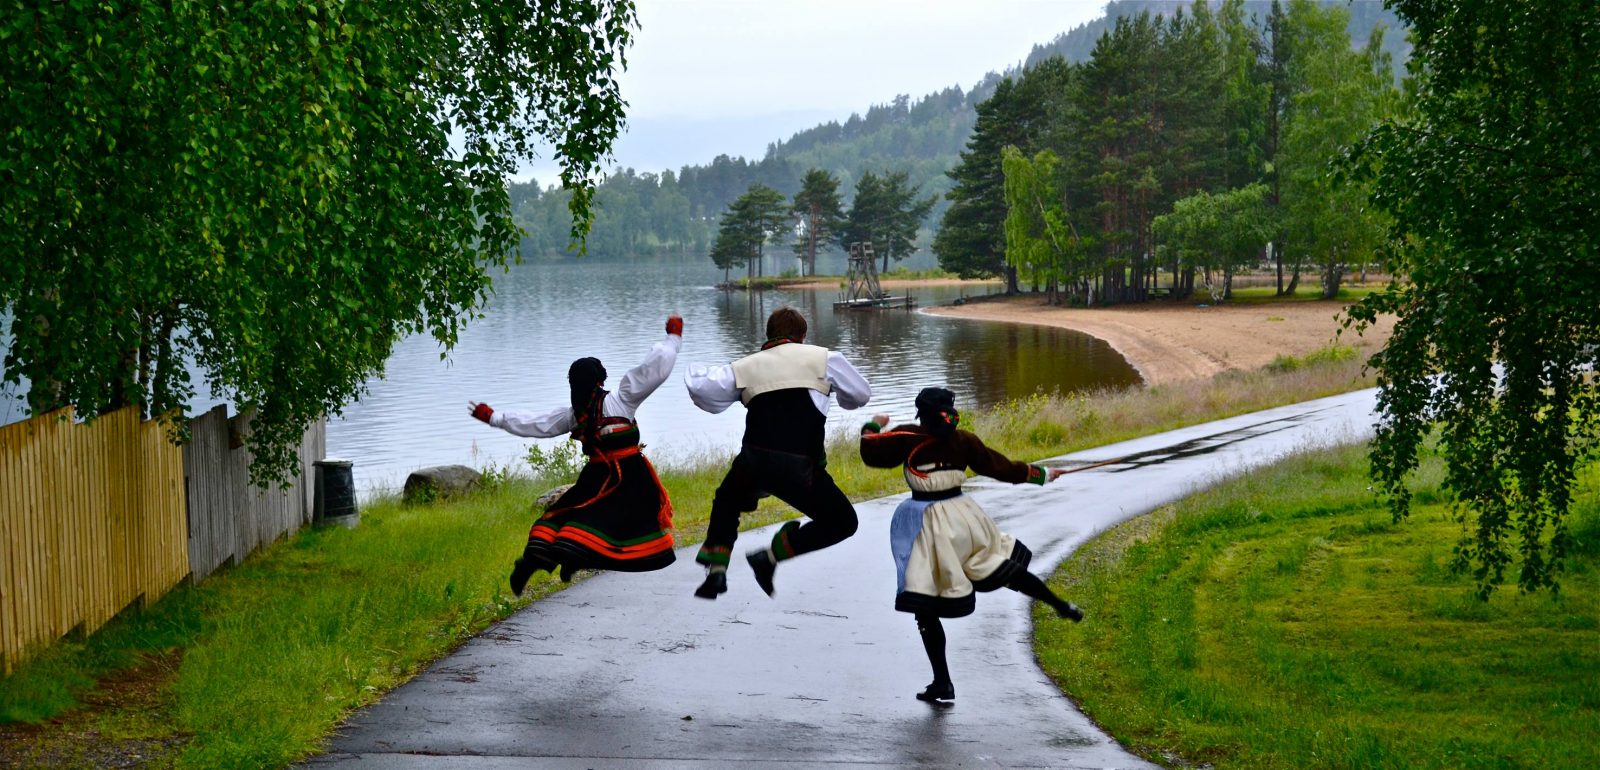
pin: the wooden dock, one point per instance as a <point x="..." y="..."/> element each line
<point x="875" y="303"/>
<point x="863" y="292"/>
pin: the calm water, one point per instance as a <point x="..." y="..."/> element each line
<point x="543" y="316"/>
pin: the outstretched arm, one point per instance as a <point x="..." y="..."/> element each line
<point x="849" y="386"/>
<point x="642" y="380"/>
<point x="556" y="422"/>
<point x="987" y="462"/>
<point x="711" y="387"/>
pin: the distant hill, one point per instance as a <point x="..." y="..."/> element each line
<point x="923" y="137"/>
<point x="926" y="136"/>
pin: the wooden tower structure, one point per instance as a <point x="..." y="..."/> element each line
<point x="863" y="290"/>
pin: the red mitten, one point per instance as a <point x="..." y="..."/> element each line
<point x="482" y="412"/>
<point x="675" y="324"/>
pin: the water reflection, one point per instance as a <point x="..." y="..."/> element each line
<point x="543" y="316"/>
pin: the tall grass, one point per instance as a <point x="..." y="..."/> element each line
<point x="1283" y="620"/>
<point x="275" y="652"/>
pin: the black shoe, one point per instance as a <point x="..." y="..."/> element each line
<point x="1069" y="611"/>
<point x="567" y="572"/>
<point x="764" y="567"/>
<point x="715" y="585"/>
<point x="520" y="572"/>
<point x="938" y="691"/>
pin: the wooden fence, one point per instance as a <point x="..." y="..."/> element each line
<point x="97" y="516"/>
<point x="91" y="521"/>
<point x="227" y="516"/>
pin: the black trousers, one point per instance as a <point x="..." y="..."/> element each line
<point x="796" y="479"/>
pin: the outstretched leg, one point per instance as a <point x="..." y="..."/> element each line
<point x="806" y="486"/>
<point x="933" y="642"/>
<point x="737" y="494"/>
<point x="832" y="518"/>
<point x="1030" y="585"/>
<point x="533" y="560"/>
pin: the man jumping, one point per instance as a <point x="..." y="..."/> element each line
<point x="785" y="389"/>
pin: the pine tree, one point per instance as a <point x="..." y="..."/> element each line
<point x="887" y="212"/>
<point x="750" y="221"/>
<point x="820" y="213"/>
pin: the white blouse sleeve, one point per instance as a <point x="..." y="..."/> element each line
<point x="642" y="380"/>
<point x="711" y="387"/>
<point x="556" y="422"/>
<point x="849" y="386"/>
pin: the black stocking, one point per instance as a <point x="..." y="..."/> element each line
<point x="933" y="641"/>
<point x="1030" y="585"/>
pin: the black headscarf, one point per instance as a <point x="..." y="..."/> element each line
<point x="585" y="377"/>
<point x="936" y="410"/>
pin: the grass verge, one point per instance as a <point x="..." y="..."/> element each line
<point x="1282" y="620"/>
<point x="255" y="666"/>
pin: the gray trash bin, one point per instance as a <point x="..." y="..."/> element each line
<point x="335" y="498"/>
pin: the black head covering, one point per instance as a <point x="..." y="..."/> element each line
<point x="936" y="409"/>
<point x="585" y="377"/>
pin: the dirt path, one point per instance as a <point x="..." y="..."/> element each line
<point x="1173" y="342"/>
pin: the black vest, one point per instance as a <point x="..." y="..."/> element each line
<point x="786" y="421"/>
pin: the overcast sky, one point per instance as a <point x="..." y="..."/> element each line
<point x="728" y="76"/>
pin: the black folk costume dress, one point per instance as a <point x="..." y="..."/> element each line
<point x="616" y="516"/>
<point x="945" y="547"/>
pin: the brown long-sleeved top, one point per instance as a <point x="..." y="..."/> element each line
<point x="911" y="445"/>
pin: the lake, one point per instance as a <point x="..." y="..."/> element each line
<point x="545" y="315"/>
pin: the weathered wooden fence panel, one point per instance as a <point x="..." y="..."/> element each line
<point x="91" y="521"/>
<point x="228" y="517"/>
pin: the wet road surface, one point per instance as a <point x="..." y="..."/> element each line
<point x="631" y="671"/>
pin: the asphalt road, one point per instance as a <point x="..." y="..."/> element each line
<point x="632" y="671"/>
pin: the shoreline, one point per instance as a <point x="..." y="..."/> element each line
<point x="1169" y="343"/>
<point x="833" y="281"/>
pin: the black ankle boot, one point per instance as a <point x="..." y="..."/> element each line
<point x="716" y="584"/>
<point x="762" y="564"/>
<point x="1069" y="611"/>
<point x="521" y="571"/>
<point x="938" y="691"/>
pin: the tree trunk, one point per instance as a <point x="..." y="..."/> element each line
<point x="146" y="342"/>
<point x="1335" y="275"/>
<point x="165" y="360"/>
<point x="811" y="242"/>
<point x="1277" y="257"/>
<point x="1011" y="280"/>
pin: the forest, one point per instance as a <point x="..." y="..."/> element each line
<point x="1187" y="147"/>
<point x="675" y="214"/>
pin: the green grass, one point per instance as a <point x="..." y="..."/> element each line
<point x="1267" y="295"/>
<point x="269" y="656"/>
<point x="1283" y="620"/>
<point x="1330" y="354"/>
<point x="901" y="273"/>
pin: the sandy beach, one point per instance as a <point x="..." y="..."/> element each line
<point x="835" y="281"/>
<point x="1173" y="342"/>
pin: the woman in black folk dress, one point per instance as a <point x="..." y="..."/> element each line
<point x="616" y="516"/>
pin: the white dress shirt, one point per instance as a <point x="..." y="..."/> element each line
<point x="712" y="387"/>
<point x="636" y="386"/>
